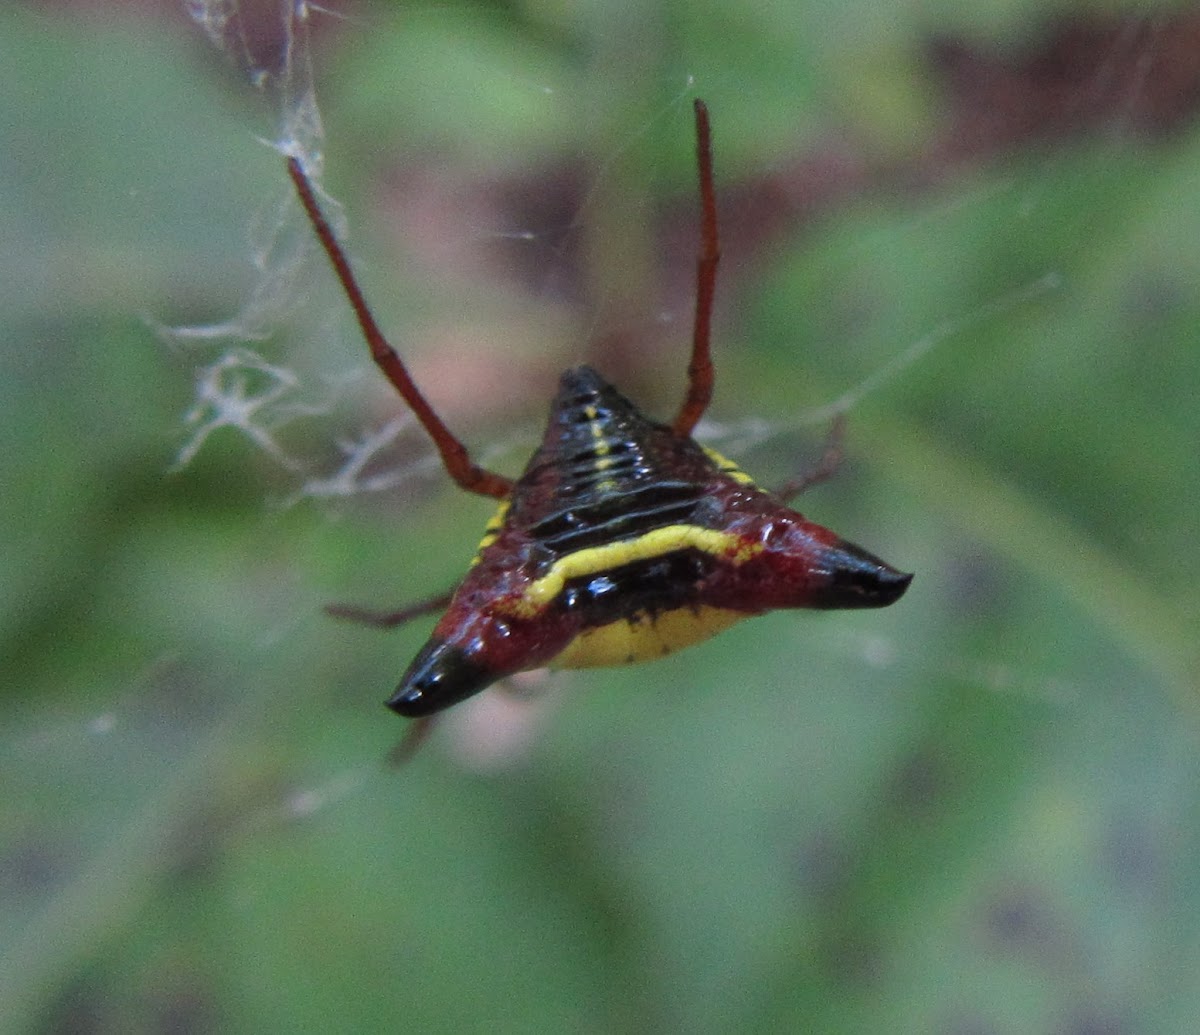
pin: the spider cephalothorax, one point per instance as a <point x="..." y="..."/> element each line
<point x="623" y="539"/>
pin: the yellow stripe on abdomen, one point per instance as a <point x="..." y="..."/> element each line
<point x="492" y="530"/>
<point x="595" y="560"/>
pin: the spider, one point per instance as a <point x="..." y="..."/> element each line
<point x="623" y="539"/>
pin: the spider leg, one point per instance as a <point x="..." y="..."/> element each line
<point x="416" y="733"/>
<point x="455" y="457"/>
<point x="831" y="460"/>
<point x="389" y="619"/>
<point x="700" y="367"/>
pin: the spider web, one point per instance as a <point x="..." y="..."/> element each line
<point x="242" y="390"/>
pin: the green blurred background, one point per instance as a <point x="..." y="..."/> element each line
<point x="974" y="812"/>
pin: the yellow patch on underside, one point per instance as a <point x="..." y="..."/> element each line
<point x="598" y="559"/>
<point x="644" y="638"/>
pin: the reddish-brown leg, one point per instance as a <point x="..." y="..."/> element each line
<point x="831" y="460"/>
<point x="454" y="454"/>
<point x="389" y="619"/>
<point x="700" y="368"/>
<point x="414" y="736"/>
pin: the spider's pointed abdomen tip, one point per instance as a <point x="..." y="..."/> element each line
<point x="857" y="578"/>
<point x="440" y="676"/>
<point x="581" y="381"/>
<point x="890" y="586"/>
